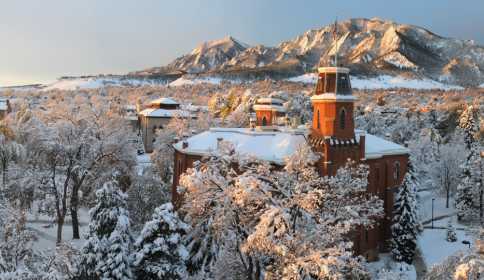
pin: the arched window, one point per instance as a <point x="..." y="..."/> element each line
<point x="319" y="121"/>
<point x="264" y="121"/>
<point x="342" y="119"/>
<point x="396" y="171"/>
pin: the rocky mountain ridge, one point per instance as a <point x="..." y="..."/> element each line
<point x="369" y="47"/>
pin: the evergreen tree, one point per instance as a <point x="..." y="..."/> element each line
<point x="106" y="252"/>
<point x="159" y="251"/>
<point x="405" y="223"/>
<point x="451" y="236"/>
<point x="469" y="187"/>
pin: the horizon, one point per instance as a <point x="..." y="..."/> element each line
<point x="56" y="38"/>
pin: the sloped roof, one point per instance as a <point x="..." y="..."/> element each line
<point x="164" y="113"/>
<point x="164" y="100"/>
<point x="275" y="146"/>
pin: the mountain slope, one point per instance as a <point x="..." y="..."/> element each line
<point x="369" y="47"/>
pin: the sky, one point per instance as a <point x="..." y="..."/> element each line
<point x="43" y="40"/>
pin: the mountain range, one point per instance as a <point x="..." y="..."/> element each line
<point x="369" y="47"/>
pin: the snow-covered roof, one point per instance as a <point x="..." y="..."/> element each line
<point x="270" y="100"/>
<point x="274" y="146"/>
<point x="333" y="70"/>
<point x="332" y="96"/>
<point x="164" y="113"/>
<point x="277" y="108"/>
<point x="376" y="147"/>
<point x="164" y="100"/>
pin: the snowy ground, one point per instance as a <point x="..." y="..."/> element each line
<point x="432" y="242"/>
<point x="383" y="82"/>
<point x="425" y="206"/>
<point x="435" y="248"/>
<point x="386" y="264"/>
<point x="45" y="229"/>
<point x="143" y="161"/>
<point x="96" y="82"/>
<point x="184" y="81"/>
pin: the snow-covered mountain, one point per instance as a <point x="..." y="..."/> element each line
<point x="369" y="47"/>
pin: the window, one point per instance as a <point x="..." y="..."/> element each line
<point x="342" y="119"/>
<point x="330" y="82"/>
<point x="343" y="84"/>
<point x="320" y="86"/>
<point x="396" y="171"/>
<point x="264" y="121"/>
<point x="180" y="167"/>
<point x="319" y="121"/>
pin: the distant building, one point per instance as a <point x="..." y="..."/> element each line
<point x="4" y="107"/>
<point x="157" y="116"/>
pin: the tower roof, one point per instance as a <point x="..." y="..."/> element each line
<point x="333" y="70"/>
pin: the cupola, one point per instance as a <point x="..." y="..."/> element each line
<point x="269" y="111"/>
<point x="165" y="103"/>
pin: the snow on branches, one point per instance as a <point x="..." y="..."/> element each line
<point x="284" y="223"/>
<point x="159" y="251"/>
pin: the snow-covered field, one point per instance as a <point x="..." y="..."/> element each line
<point x="45" y="229"/>
<point x="435" y="248"/>
<point x="96" y="82"/>
<point x="386" y="265"/>
<point x="184" y="81"/>
<point x="383" y="82"/>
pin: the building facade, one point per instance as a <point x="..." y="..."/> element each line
<point x="332" y="134"/>
<point x="157" y="116"/>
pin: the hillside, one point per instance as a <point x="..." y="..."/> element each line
<point x="370" y="47"/>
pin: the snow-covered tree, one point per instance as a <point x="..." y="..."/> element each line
<point x="470" y="186"/>
<point x="405" y="224"/>
<point x="146" y="192"/>
<point x="106" y="253"/>
<point x="16" y="241"/>
<point x="462" y="265"/>
<point x="159" y="251"/>
<point x="450" y="234"/>
<point x="290" y="223"/>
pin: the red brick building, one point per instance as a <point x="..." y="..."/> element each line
<point x="332" y="134"/>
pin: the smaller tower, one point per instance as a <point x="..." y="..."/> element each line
<point x="269" y="111"/>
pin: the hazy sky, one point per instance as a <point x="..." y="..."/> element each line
<point x="44" y="39"/>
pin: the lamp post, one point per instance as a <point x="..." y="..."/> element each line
<point x="433" y="199"/>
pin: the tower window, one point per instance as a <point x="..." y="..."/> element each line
<point x="264" y="121"/>
<point x="319" y="121"/>
<point x="330" y="82"/>
<point x="342" y="119"/>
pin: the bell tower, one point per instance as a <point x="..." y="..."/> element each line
<point x="333" y="129"/>
<point x="333" y="104"/>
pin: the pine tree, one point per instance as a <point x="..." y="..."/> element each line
<point x="106" y="252"/>
<point x="451" y="236"/>
<point x="469" y="187"/>
<point x="159" y="251"/>
<point x="405" y="226"/>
